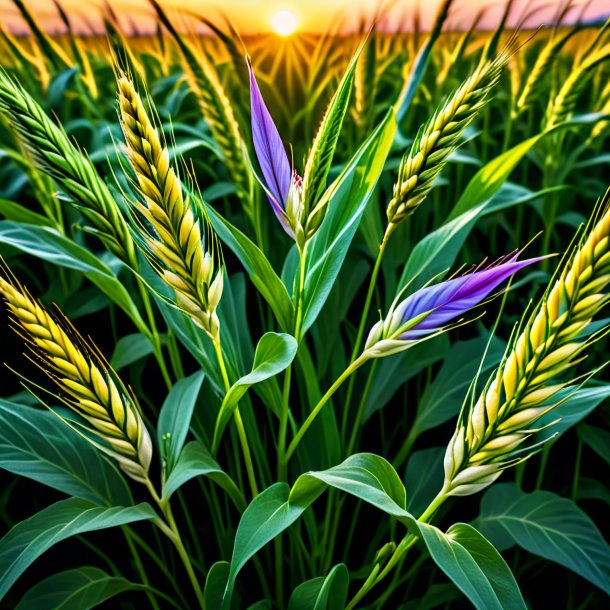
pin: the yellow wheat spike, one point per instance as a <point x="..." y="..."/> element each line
<point x="490" y="436"/>
<point x="87" y="383"/>
<point x="176" y="248"/>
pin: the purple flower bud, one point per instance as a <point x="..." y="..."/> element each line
<point x="448" y="300"/>
<point x="270" y="153"/>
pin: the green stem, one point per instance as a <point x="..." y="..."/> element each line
<point x="285" y="407"/>
<point x="405" y="544"/>
<point x="154" y="335"/>
<point x="363" y="320"/>
<point x="360" y="412"/>
<point x="170" y="529"/>
<point x="140" y="568"/>
<point x="316" y="410"/>
<point x="241" y="431"/>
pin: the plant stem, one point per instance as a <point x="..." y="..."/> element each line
<point x="363" y="320"/>
<point x="170" y="529"/>
<point x="154" y="335"/>
<point x="285" y="407"/>
<point x="405" y="544"/>
<point x="316" y="410"/>
<point x="241" y="431"/>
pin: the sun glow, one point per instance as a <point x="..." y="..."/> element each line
<point x="284" y="22"/>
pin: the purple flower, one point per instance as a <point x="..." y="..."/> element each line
<point x="429" y="309"/>
<point x="283" y="185"/>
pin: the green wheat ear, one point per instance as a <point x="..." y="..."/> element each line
<point x="52" y="150"/>
<point x="87" y="384"/>
<point x="491" y="433"/>
<point x="440" y="136"/>
<point x="171" y="236"/>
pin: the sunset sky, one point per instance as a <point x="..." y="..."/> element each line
<point x="252" y="16"/>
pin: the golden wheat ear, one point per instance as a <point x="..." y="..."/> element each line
<point x="171" y="230"/>
<point x="492" y="432"/>
<point x="86" y="383"/>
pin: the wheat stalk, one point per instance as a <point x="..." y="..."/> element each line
<point x="87" y="383"/>
<point x="440" y="136"/>
<point x="51" y="149"/>
<point x="491" y="433"/>
<point x="563" y="105"/>
<point x="205" y="84"/>
<point x="175" y="246"/>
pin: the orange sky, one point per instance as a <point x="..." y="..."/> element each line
<point x="314" y="15"/>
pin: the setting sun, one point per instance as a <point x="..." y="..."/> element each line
<point x="284" y="22"/>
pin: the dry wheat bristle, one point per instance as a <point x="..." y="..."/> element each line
<point x="87" y="384"/>
<point x="176" y="248"/>
<point x="52" y="150"/>
<point x="491" y="433"/>
<point x="440" y="136"/>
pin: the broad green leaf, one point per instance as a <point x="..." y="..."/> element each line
<point x="305" y="595"/>
<point x="195" y="461"/>
<point x="549" y="526"/>
<point x="274" y="352"/>
<point x="577" y="405"/>
<point x="366" y="476"/>
<point x="175" y="418"/>
<point x="424" y="477"/>
<point x="597" y="439"/>
<point x="53" y="247"/>
<point x="36" y="444"/>
<point x="19" y="213"/>
<point x="29" y="539"/>
<point x="392" y="373"/>
<point x="347" y="200"/>
<point x="438" y="250"/>
<point x="130" y="349"/>
<point x="443" y="398"/>
<point x="333" y="593"/>
<point x="215" y="584"/>
<point x="258" y="267"/>
<point x="488" y="180"/>
<point x="83" y="587"/>
<point x="474" y="565"/>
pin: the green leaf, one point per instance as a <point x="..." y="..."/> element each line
<point x="577" y="405"/>
<point x="18" y="213"/>
<point x="305" y="595"/>
<point x="347" y="200"/>
<point x="29" y="539"/>
<point x="194" y="461"/>
<point x="130" y="349"/>
<point x="323" y="148"/>
<point x="437" y="251"/>
<point x="36" y="444"/>
<point x="424" y="477"/>
<point x="333" y="593"/>
<point x="274" y="353"/>
<point x="175" y="418"/>
<point x="258" y="267"/>
<point x="549" y="526"/>
<point x="366" y="476"/>
<point x="52" y="247"/>
<point x="83" y="587"/>
<point x="215" y="584"/>
<point x="443" y="398"/>
<point x="474" y="566"/>
<point x="597" y="439"/>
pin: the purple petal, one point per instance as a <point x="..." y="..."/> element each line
<point x="450" y="299"/>
<point x="269" y="148"/>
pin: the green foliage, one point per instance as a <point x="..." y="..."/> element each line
<point x="283" y="466"/>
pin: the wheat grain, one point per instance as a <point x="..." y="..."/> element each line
<point x="87" y="384"/>
<point x="439" y="137"/>
<point x="491" y="433"/>
<point x="175" y="249"/>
